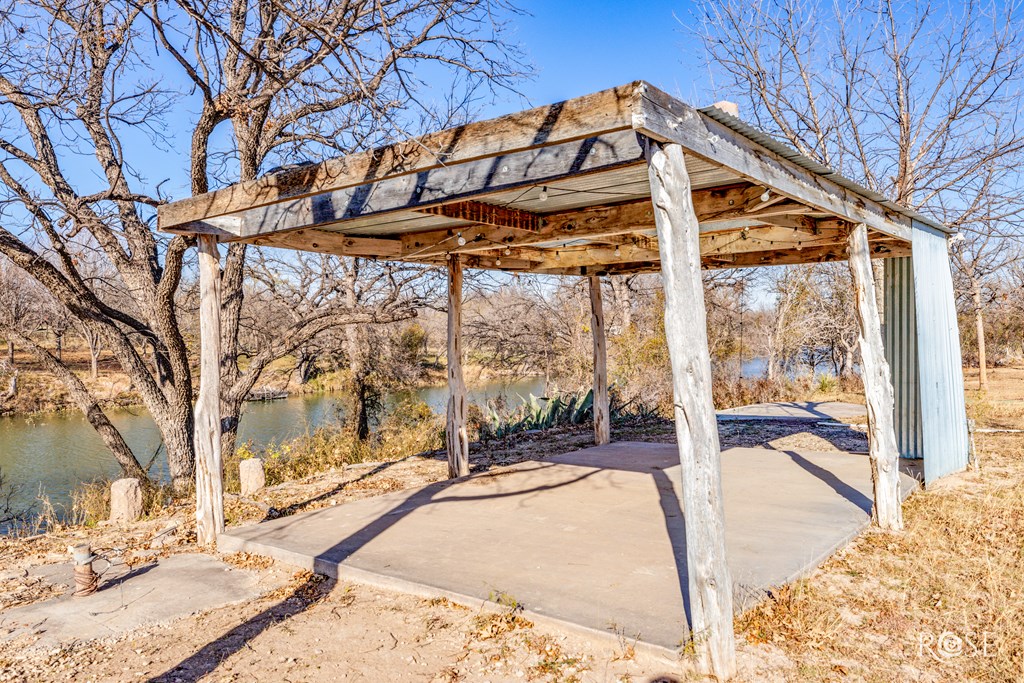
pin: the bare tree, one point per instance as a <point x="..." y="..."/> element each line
<point x="288" y="77"/>
<point x="919" y="102"/>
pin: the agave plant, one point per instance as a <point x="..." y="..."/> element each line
<point x="542" y="412"/>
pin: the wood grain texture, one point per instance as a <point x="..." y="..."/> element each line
<point x="710" y="584"/>
<point x="209" y="469"/>
<point x="446" y="184"/>
<point x="482" y="213"/>
<point x="456" y="439"/>
<point x="883" y="451"/>
<point x="660" y="116"/>
<point x="581" y="117"/>
<point x="602" y="417"/>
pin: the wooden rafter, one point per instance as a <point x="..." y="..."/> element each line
<point x="487" y="214"/>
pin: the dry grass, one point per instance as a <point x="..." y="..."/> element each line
<point x="942" y="600"/>
<point x="406" y="429"/>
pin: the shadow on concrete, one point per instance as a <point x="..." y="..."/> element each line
<point x="118" y="580"/>
<point x="206" y="660"/>
<point x="835" y="483"/>
<point x="675" y="526"/>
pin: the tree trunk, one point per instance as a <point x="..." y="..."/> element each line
<point x="356" y="351"/>
<point x="623" y="302"/>
<point x="710" y="583"/>
<point x="112" y="438"/>
<point x="10" y="352"/>
<point x="12" y="387"/>
<point x="94" y="355"/>
<point x="306" y="366"/>
<point x="362" y="410"/>
<point x="979" y="327"/>
<point x="883" y="451"/>
<point x="177" y="429"/>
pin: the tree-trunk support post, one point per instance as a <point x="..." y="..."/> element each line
<point x="602" y="418"/>
<point x="710" y="584"/>
<point x="456" y="439"/>
<point x="209" y="485"/>
<point x="882" y="449"/>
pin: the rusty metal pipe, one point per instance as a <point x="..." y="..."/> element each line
<point x="86" y="579"/>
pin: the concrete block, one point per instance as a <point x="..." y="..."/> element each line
<point x="126" y="500"/>
<point x="251" y="475"/>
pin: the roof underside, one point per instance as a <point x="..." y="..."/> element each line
<point x="561" y="189"/>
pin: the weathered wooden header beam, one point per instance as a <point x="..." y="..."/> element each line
<point x="667" y="119"/>
<point x="583" y="117"/>
<point x="582" y="135"/>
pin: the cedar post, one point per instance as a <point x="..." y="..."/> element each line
<point x="878" y="392"/>
<point x="710" y="584"/>
<point x="455" y="433"/>
<point x="209" y="487"/>
<point x="602" y="426"/>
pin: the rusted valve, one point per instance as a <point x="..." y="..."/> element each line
<point x="86" y="580"/>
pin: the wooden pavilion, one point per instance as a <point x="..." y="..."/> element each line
<point x="625" y="180"/>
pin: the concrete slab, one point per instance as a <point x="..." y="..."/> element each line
<point x="802" y="411"/>
<point x="593" y="539"/>
<point x="154" y="593"/>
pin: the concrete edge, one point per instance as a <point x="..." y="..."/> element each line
<point x="742" y="599"/>
<point x="340" y="572"/>
<point x="739" y="417"/>
<point x="40" y="643"/>
<point x="811" y="567"/>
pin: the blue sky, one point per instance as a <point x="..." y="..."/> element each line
<point x="582" y="47"/>
<point x="575" y="48"/>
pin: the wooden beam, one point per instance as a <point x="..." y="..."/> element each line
<point x="710" y="584"/>
<point x="487" y="214"/>
<point x="456" y="439"/>
<point x="883" y="452"/>
<point x="665" y="118"/>
<point x="444" y="184"/>
<point x="602" y="418"/>
<point x="598" y="255"/>
<point x="209" y="486"/>
<point x="328" y="242"/>
<point x="767" y="239"/>
<point x="602" y="270"/>
<point x="582" y="117"/>
<point x="595" y="222"/>
<point x="715" y="207"/>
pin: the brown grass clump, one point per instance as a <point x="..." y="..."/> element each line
<point x="407" y="429"/>
<point x="90" y="503"/>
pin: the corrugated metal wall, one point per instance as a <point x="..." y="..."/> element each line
<point x="922" y="345"/>
<point x="940" y="371"/>
<point x="901" y="352"/>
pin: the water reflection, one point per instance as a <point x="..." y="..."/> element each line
<point x="53" y="453"/>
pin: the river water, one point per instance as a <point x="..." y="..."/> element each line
<point x="54" y="453"/>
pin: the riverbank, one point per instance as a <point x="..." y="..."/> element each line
<point x="862" y="616"/>
<point x="39" y="393"/>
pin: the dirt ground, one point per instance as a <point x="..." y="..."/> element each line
<point x="908" y="606"/>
